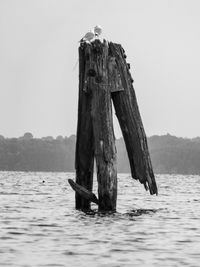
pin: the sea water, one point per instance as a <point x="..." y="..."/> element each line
<point x="39" y="225"/>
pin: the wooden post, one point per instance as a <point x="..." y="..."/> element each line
<point x="104" y="141"/>
<point x="104" y="74"/>
<point x="95" y="135"/>
<point x="84" y="158"/>
<point x="127" y="112"/>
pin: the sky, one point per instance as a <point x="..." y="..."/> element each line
<point x="39" y="49"/>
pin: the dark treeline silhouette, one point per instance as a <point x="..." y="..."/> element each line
<point x="169" y="154"/>
<point x="32" y="154"/>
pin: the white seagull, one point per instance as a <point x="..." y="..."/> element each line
<point x="88" y="37"/>
<point x="97" y="30"/>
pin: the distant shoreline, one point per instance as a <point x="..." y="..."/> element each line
<point x="169" y="154"/>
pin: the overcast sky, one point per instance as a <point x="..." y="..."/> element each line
<point x="39" y="48"/>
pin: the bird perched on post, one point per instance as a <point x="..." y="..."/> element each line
<point x="97" y="30"/>
<point x="88" y="37"/>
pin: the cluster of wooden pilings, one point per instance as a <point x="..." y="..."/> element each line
<point x="104" y="76"/>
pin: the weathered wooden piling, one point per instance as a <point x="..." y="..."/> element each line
<point x="104" y="76"/>
<point x="95" y="135"/>
<point x="84" y="158"/>
<point x="129" y="118"/>
<point x="104" y="143"/>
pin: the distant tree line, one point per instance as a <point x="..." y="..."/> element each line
<point x="33" y="154"/>
<point x="175" y="155"/>
<point x="169" y="154"/>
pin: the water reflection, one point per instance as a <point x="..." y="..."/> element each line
<point x="116" y="215"/>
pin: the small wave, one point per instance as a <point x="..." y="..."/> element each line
<point x="15" y="233"/>
<point x="132" y="213"/>
<point x="46" y="225"/>
<point x="139" y="212"/>
<point x="6" y="193"/>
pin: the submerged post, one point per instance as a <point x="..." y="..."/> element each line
<point x="104" y="76"/>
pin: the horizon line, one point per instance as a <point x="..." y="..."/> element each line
<point x="62" y="136"/>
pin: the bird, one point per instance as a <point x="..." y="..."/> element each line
<point x="97" y="30"/>
<point x="88" y="37"/>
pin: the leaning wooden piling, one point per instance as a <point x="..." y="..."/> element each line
<point x="130" y="121"/>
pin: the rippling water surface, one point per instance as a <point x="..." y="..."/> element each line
<point x="40" y="227"/>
